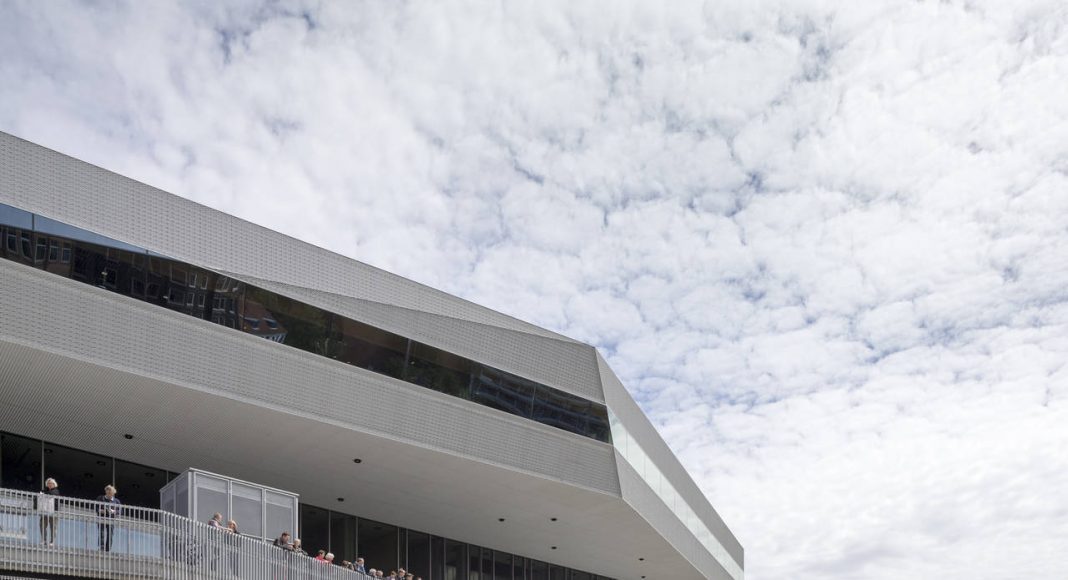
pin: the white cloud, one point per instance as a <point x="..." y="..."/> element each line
<point x="823" y="242"/>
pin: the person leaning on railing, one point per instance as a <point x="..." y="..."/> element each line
<point x="283" y="542"/>
<point x="107" y="530"/>
<point x="48" y="505"/>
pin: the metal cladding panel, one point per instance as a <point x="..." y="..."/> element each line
<point x="94" y="325"/>
<point x="569" y="366"/>
<point x="630" y="414"/>
<point x="645" y="502"/>
<point x="40" y="180"/>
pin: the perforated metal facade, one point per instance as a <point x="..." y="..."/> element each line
<point x="63" y="338"/>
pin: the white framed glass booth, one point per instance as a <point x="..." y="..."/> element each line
<point x="260" y="511"/>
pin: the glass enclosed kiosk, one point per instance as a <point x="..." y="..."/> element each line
<point x="260" y="511"/>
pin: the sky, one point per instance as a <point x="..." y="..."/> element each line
<point x="824" y="244"/>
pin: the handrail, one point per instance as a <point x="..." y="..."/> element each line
<point x="47" y="534"/>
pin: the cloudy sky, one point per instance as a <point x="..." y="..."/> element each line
<point x="825" y="244"/>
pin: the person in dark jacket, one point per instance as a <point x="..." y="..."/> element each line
<point x="234" y="545"/>
<point x="48" y="506"/>
<point x="109" y="511"/>
<point x="283" y="542"/>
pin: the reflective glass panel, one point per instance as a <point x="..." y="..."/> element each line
<point x="79" y="473"/>
<point x="475" y="563"/>
<point x="502" y="566"/>
<point x="437" y="559"/>
<point x="15" y="217"/>
<point x="17" y="244"/>
<point x="441" y="371"/>
<point x="21" y="463"/>
<point x="287" y="321"/>
<point x="179" y="286"/>
<point x="314" y="529"/>
<point x="378" y="545"/>
<point x="51" y="227"/>
<point x="418" y="553"/>
<point x="455" y="560"/>
<point x="279" y="515"/>
<point x="539" y="570"/>
<point x="343" y="536"/>
<point x="519" y="568"/>
<point x="16" y="225"/>
<point x="247" y="510"/>
<point x="210" y="493"/>
<point x="561" y="410"/>
<point x="504" y="391"/>
<point x="89" y="258"/>
<point x="140" y="484"/>
<point x="370" y="348"/>
<point x="132" y="271"/>
<point x="597" y="423"/>
<point x="181" y="497"/>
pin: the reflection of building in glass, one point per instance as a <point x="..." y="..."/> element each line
<point x="494" y="448"/>
<point x="259" y="321"/>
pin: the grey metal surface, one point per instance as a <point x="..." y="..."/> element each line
<point x="93" y="324"/>
<point x="44" y="181"/>
<point x="645" y="502"/>
<point x="88" y="324"/>
<point x="563" y="364"/>
<point x="626" y="410"/>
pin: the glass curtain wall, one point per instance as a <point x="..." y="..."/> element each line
<point x="418" y="553"/>
<point x="21" y="465"/>
<point x="343" y="535"/>
<point x="378" y="544"/>
<point x="80" y="474"/>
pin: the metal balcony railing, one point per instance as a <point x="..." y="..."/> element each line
<point x="72" y="537"/>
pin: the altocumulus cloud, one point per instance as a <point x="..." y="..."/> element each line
<point x="824" y="243"/>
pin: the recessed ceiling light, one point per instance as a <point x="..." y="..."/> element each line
<point x="641" y="559"/>
<point x="357" y="460"/>
<point x="341" y="499"/>
<point x="500" y="519"/>
<point x="552" y="519"/>
<point x="553" y="547"/>
<point x="128" y="436"/>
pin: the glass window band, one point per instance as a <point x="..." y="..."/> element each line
<point x="119" y="267"/>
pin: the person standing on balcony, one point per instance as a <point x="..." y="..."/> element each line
<point x="108" y="512"/>
<point x="283" y="542"/>
<point x="48" y="506"/>
<point x="233" y="544"/>
<point x="216" y="521"/>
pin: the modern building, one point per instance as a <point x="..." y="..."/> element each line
<point x="418" y="429"/>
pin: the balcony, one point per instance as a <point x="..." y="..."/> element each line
<point x="68" y="537"/>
